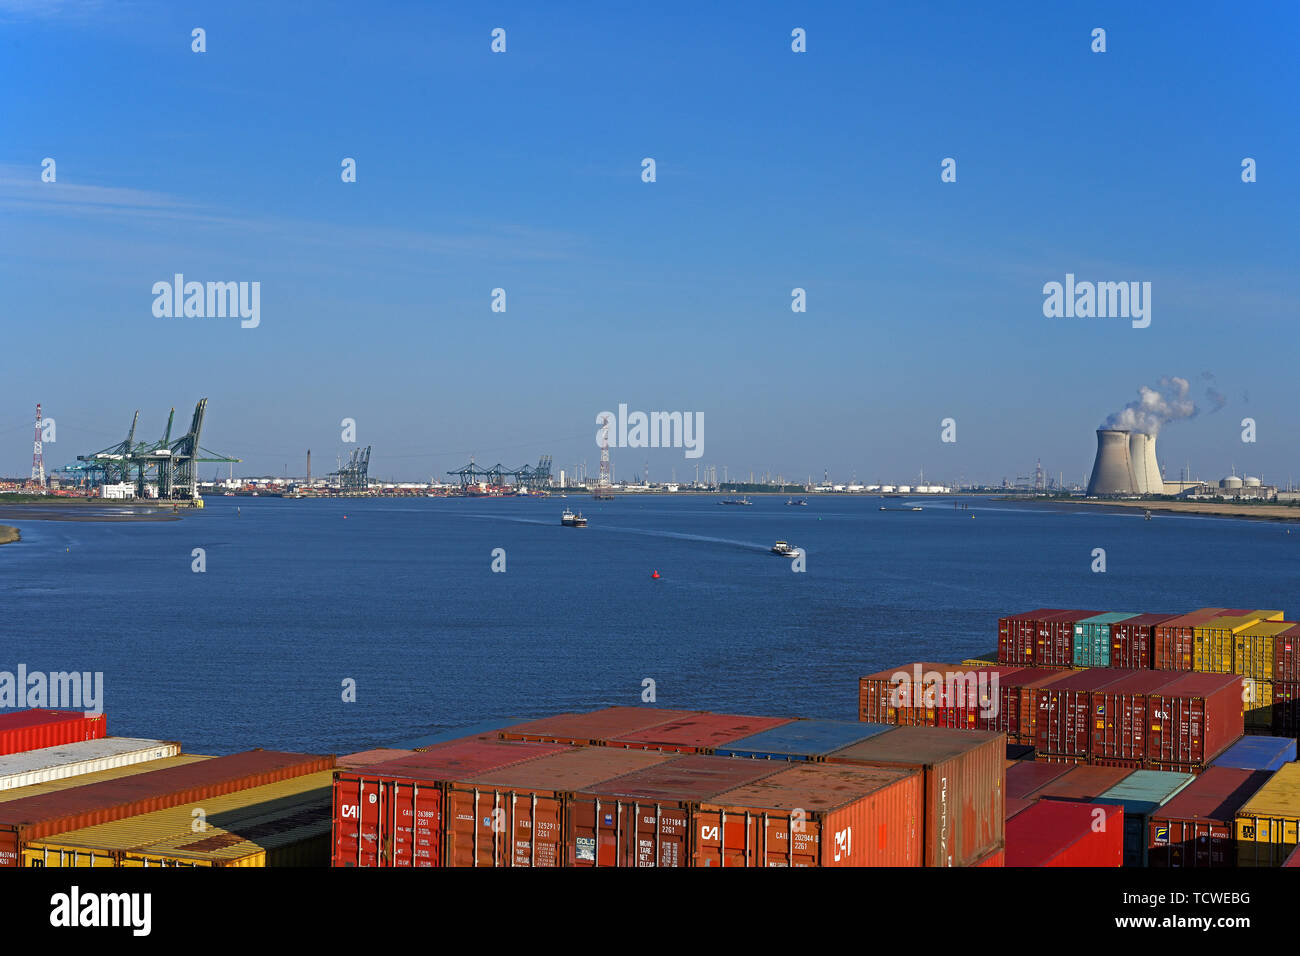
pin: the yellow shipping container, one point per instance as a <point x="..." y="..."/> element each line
<point x="1257" y="703"/>
<point x="1214" y="642"/>
<point x="86" y="779"/>
<point x="1253" y="649"/>
<point x="276" y="824"/>
<point x="985" y="660"/>
<point x="1268" y="823"/>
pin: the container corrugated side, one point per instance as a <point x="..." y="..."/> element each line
<point x="1173" y="640"/>
<point x="1286" y="655"/>
<point x="1018" y="701"/>
<point x="1254" y="648"/>
<point x="1092" y="639"/>
<point x="900" y="695"/>
<point x="514" y="816"/>
<point x="1258" y="753"/>
<point x="1066" y="833"/>
<point x="229" y="829"/>
<point x="1193" y="720"/>
<point x="31" y="818"/>
<point x="1197" y="828"/>
<point x="815" y="814"/>
<point x="86" y="779"/>
<point x="1268" y="824"/>
<point x="391" y="814"/>
<point x="1132" y="640"/>
<point x="1063" y="724"/>
<point x="964" y="808"/>
<point x="1141" y="794"/>
<point x="33" y="729"/>
<point x="1214" y="642"/>
<point x="1119" y="716"/>
<point x="593" y="728"/>
<point x="698" y="733"/>
<point x="82" y="757"/>
<point x="801" y="740"/>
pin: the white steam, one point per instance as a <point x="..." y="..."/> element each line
<point x="1166" y="402"/>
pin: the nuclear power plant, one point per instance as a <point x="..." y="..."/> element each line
<point x="1126" y="464"/>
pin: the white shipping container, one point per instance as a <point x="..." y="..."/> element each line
<point x="84" y="756"/>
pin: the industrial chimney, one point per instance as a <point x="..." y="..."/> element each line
<point x="1146" y="470"/>
<point x="1112" y="472"/>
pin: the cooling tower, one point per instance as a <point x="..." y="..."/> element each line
<point x="1112" y="472"/>
<point x="1146" y="472"/>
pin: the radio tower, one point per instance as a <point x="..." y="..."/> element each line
<point x="603" y="483"/>
<point x="38" y="456"/>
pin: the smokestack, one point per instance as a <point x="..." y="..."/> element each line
<point x="1112" y="472"/>
<point x="1137" y="456"/>
<point x="308" y="467"/>
<point x="1155" y="480"/>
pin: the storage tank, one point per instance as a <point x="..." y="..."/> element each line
<point x="1250" y="482"/>
<point x="1231" y="482"/>
<point x="1112" y="471"/>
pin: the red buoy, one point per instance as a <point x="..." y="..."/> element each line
<point x="655" y="575"/>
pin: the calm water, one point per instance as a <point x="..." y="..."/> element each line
<point x="399" y="595"/>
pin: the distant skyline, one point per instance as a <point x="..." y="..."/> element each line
<point x="774" y="171"/>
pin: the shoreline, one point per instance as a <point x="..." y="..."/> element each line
<point x="9" y="534"/>
<point x="1208" y="510"/>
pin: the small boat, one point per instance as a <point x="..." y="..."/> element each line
<point x="913" y="508"/>
<point x="1146" y="515"/>
<point x="785" y="549"/>
<point x="571" y="520"/>
<point x="735" y="501"/>
<point x="800" y="501"/>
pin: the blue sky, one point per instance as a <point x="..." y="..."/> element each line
<point x="775" y="170"/>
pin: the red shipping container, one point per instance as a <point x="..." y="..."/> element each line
<point x="698" y="733"/>
<point x="25" y="730"/>
<point x="1016" y="805"/>
<point x="901" y="695"/>
<point x="964" y="808"/>
<point x="1132" y="641"/>
<point x="1082" y="783"/>
<point x="1197" y="828"/>
<point x="364" y="758"/>
<point x="1065" y="833"/>
<point x="646" y="818"/>
<point x="1016" y="638"/>
<point x="1054" y="642"/>
<point x="1041" y="638"/>
<point x="514" y="815"/>
<point x="391" y="814"/>
<point x="1028" y="776"/>
<point x="997" y="858"/>
<point x="1119" y="717"/>
<point x="1063" y="725"/>
<point x="815" y="814"/>
<point x="593" y="728"/>
<point x="1286" y="655"/>
<point x="30" y="818"/>
<point x="1193" y="720"/>
<point x="1173" y="646"/>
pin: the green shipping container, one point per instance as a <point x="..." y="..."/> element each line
<point x="1092" y="639"/>
<point x="1141" y="793"/>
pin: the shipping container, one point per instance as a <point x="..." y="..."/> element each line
<point x="1092" y="638"/>
<point x="1063" y="725"/>
<point x="278" y="824"/>
<point x="1268" y="822"/>
<point x="801" y="740"/>
<point x="31" y="818"/>
<point x="593" y="728"/>
<point x="964" y="812"/>
<point x="901" y="695"/>
<point x="646" y="818"/>
<point x="364" y="758"/>
<point x="33" y="729"/>
<point x="1197" y="828"/>
<point x="1028" y="776"/>
<point x="1255" y="649"/>
<point x="86" y="779"/>
<point x="1286" y="655"/>
<point x="1066" y="833"/>
<point x="1132" y="641"/>
<point x="698" y="733"/>
<point x="1082" y="783"/>
<point x="1018" y="702"/>
<point x="485" y="730"/>
<point x="514" y="816"/>
<point x="1054" y="644"/>
<point x="1142" y="793"/>
<point x="1173" y="641"/>
<point x="996" y="858"/>
<point x="1214" y="641"/>
<point x="989" y="659"/>
<point x="75" y="759"/>
<point x="1257" y="705"/>
<point x="1016" y="805"/>
<point x="814" y="814"/>
<point x="1258" y="753"/>
<point x="391" y="814"/>
<point x="1119" y="717"/>
<point x="1193" y="720"/>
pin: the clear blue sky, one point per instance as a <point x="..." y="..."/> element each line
<point x="775" y="170"/>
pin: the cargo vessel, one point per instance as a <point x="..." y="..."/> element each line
<point x="735" y="501"/>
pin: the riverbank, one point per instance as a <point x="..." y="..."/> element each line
<point x="1210" y="509"/>
<point x="9" y="535"/>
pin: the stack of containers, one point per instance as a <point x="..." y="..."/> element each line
<point x="1120" y="719"/>
<point x="1173" y="641"/>
<point x="1254" y="657"/>
<point x="1197" y="828"/>
<point x="964" y="811"/>
<point x="392" y="813"/>
<point x="1093" y="639"/>
<point x="32" y="817"/>
<point x="1214" y="641"/>
<point x="1132" y="640"/>
<point x="1268" y="824"/>
<point x="25" y="730"/>
<point x="1286" y="682"/>
<point x="907" y="695"/>
<point x="1142" y="793"/>
<point x="595" y="728"/>
<point x="1066" y="833"/>
<point x="1063" y="729"/>
<point x="83" y="757"/>
<point x="697" y="733"/>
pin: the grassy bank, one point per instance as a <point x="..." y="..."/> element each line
<point x="8" y="535"/>
<point x="1262" y="511"/>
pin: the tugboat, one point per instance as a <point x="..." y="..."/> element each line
<point x="784" y="549"/>
<point x="571" y="520"/>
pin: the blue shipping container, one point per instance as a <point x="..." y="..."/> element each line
<point x="1258" y="753"/>
<point x="802" y="739"/>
